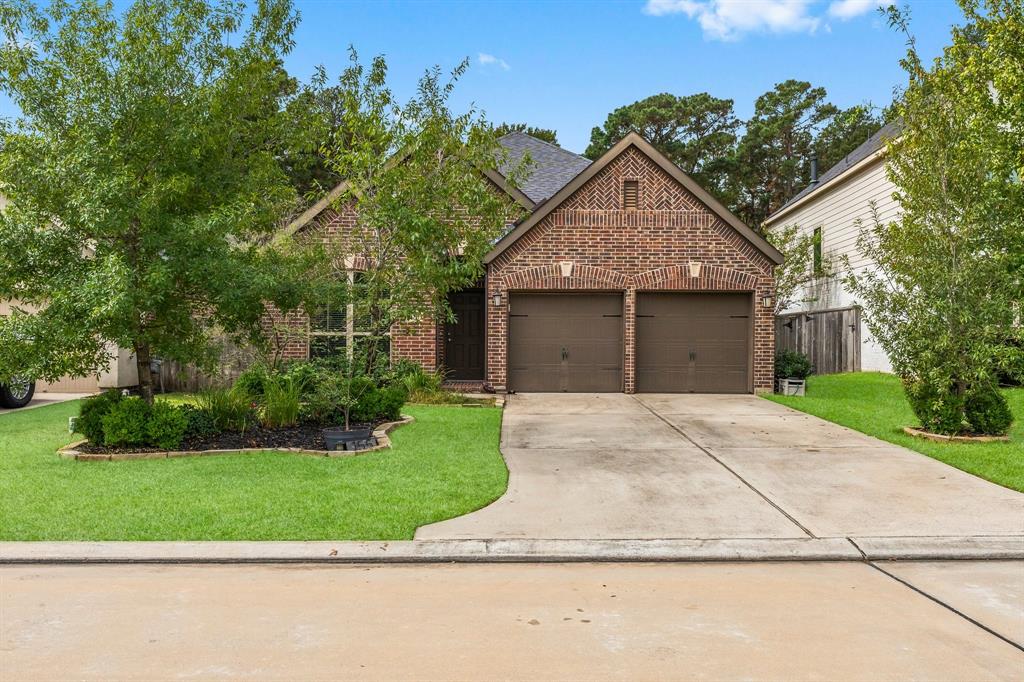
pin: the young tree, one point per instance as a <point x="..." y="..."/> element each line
<point x="773" y="153"/>
<point x="943" y="299"/>
<point x="696" y="132"/>
<point x="424" y="211"/>
<point x="141" y="173"/>
<point x="797" y="272"/>
<point x="545" y="134"/>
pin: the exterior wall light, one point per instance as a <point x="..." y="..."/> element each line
<point x="767" y="302"/>
<point x="496" y="300"/>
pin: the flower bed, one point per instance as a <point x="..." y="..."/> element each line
<point x="300" y="441"/>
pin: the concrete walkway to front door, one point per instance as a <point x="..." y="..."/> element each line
<point x="717" y="466"/>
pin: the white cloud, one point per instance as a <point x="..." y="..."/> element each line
<point x="848" y="9"/>
<point x="732" y="19"/>
<point x="489" y="59"/>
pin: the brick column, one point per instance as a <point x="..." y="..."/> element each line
<point x="629" y="340"/>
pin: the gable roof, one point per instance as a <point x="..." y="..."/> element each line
<point x="866" y="150"/>
<point x="633" y="139"/>
<point x="552" y="167"/>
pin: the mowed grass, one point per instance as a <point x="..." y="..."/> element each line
<point x="445" y="464"/>
<point x="874" y="403"/>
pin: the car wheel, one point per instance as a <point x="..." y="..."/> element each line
<point x="17" y="392"/>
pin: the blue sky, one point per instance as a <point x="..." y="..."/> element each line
<point x="565" y="65"/>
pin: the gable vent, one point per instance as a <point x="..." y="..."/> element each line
<point x="630" y="194"/>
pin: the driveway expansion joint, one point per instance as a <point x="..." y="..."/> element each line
<point x="707" y="452"/>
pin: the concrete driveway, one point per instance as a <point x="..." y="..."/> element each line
<point x="718" y="466"/>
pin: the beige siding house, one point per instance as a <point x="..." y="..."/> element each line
<point x="119" y="373"/>
<point x="838" y="205"/>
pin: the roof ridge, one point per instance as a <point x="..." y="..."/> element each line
<point x="550" y="144"/>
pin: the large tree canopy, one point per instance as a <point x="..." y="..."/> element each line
<point x="696" y="132"/>
<point x="545" y="134"/>
<point x="424" y="211"/>
<point x="141" y="174"/>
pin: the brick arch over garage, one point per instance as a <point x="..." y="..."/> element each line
<point x="711" y="278"/>
<point x="580" y="276"/>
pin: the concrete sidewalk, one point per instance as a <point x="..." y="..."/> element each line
<point x="832" y="621"/>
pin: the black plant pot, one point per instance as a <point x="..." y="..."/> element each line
<point x="339" y="439"/>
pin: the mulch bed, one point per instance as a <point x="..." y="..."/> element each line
<point x="304" y="436"/>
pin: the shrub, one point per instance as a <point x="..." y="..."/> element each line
<point x="323" y="404"/>
<point x="377" y="404"/>
<point x="198" y="423"/>
<point x="987" y="411"/>
<point x="91" y="413"/>
<point x="252" y="381"/>
<point x="166" y="426"/>
<point x="939" y="408"/>
<point x="229" y="410"/>
<point x="306" y="375"/>
<point x="791" y="364"/>
<point x="281" y="401"/>
<point x="126" y="423"/>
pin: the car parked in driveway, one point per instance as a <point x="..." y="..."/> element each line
<point x="17" y="392"/>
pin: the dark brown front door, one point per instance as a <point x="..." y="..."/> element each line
<point x="464" y="338"/>
<point x="565" y="342"/>
<point x="693" y="343"/>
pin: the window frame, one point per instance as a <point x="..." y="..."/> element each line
<point x="350" y="333"/>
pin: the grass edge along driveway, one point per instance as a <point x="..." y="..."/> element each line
<point x="443" y="465"/>
<point x="873" y="403"/>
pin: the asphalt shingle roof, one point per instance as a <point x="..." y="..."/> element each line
<point x="866" y="149"/>
<point x="552" y="167"/>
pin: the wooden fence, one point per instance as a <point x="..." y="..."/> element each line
<point x="830" y="338"/>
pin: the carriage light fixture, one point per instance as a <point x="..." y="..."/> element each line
<point x="496" y="300"/>
<point x="767" y="301"/>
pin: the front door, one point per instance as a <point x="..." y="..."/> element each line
<point x="464" y="338"/>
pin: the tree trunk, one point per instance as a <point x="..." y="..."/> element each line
<point x="142" y="359"/>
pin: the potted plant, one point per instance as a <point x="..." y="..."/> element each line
<point x="791" y="371"/>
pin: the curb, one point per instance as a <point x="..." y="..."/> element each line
<point x="515" y="551"/>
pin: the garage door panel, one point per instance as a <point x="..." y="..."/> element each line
<point x="693" y="342"/>
<point x="565" y="342"/>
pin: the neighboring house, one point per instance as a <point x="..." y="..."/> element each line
<point x="119" y="373"/>
<point x="829" y="327"/>
<point x="626" y="276"/>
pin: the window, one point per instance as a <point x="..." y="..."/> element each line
<point x="630" y="194"/>
<point x="335" y="327"/>
<point x="819" y="266"/>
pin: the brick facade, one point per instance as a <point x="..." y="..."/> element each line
<point x="648" y="249"/>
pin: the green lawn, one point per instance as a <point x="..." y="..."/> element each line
<point x="874" y="404"/>
<point x="444" y="464"/>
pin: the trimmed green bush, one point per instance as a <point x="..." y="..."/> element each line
<point x="252" y="381"/>
<point x="939" y="408"/>
<point x="126" y="423"/>
<point x="791" y="364"/>
<point x="198" y="423"/>
<point x="379" y="404"/>
<point x="166" y="426"/>
<point x="987" y="411"/>
<point x="91" y="413"/>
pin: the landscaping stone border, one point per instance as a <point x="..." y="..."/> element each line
<point x="380" y="433"/>
<point x="921" y="433"/>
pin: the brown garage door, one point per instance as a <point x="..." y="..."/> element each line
<point x="565" y="342"/>
<point x="693" y="343"/>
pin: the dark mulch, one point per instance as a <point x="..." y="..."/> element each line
<point x="305" y="436"/>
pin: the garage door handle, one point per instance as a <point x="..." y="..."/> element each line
<point x="565" y="354"/>
<point x="693" y="355"/>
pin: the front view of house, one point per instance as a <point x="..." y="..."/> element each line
<point x="626" y="276"/>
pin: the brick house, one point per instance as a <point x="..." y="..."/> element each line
<point x="625" y="276"/>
